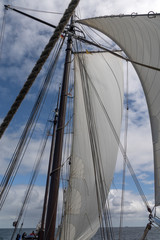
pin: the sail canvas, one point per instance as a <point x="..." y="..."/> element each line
<point x="139" y="38"/>
<point x="95" y="148"/>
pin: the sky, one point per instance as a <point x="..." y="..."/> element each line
<point x="23" y="42"/>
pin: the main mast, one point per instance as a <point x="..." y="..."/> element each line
<point x="55" y="174"/>
<point x="41" y="232"/>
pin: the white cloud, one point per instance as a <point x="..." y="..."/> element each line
<point x="135" y="212"/>
<point x="115" y="7"/>
<point x="14" y="202"/>
<point x="25" y="38"/>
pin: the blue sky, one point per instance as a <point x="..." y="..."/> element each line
<point x="22" y="44"/>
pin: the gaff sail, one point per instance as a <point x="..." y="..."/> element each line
<point x="98" y="90"/>
<point x="139" y="37"/>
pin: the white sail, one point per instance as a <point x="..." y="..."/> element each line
<point x="139" y="38"/>
<point x="97" y="89"/>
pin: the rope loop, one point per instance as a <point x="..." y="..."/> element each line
<point x="121" y="15"/>
<point x="134" y="14"/>
<point x="152" y="14"/>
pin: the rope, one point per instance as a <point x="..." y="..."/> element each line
<point x="120" y="147"/>
<point x="117" y="55"/>
<point x="101" y="190"/>
<point x="35" y="10"/>
<point x="2" y="32"/>
<point x="67" y="160"/>
<point x="124" y="163"/>
<point x="64" y="20"/>
<point x="65" y="124"/>
<point x="17" y="157"/>
<point x="33" y="179"/>
<point x="123" y="152"/>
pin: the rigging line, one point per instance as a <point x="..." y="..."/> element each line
<point x="95" y="32"/>
<point x="19" y="149"/>
<point x="121" y="148"/>
<point x="55" y="178"/>
<point x="65" y="124"/>
<point x="44" y="87"/>
<point x="87" y="33"/>
<point x="39" y="64"/>
<point x="43" y="144"/>
<point x="68" y="138"/>
<point x="115" y="54"/>
<point x="66" y="209"/>
<point x="116" y="80"/>
<point x="12" y="173"/>
<point x="101" y="192"/>
<point x="54" y="125"/>
<point x="155" y="226"/>
<point x="35" y="10"/>
<point x="27" y="15"/>
<point x="35" y="108"/>
<point x="17" y="155"/>
<point x="124" y="162"/>
<point x="122" y="151"/>
<point x="92" y="141"/>
<point x="47" y="232"/>
<point x="65" y="165"/>
<point x="32" y="180"/>
<point x="110" y="218"/>
<point x="2" y="32"/>
<point x="67" y="160"/>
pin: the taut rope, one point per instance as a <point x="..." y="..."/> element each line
<point x="47" y="50"/>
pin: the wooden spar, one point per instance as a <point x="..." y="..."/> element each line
<point x="27" y="15"/>
<point x="41" y="232"/>
<point x="55" y="176"/>
<point x="148" y="227"/>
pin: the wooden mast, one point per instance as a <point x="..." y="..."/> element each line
<point x="148" y="227"/>
<point x="55" y="175"/>
<point x="42" y="229"/>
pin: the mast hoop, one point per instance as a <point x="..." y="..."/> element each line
<point x="121" y="15"/>
<point x="152" y="14"/>
<point x="134" y="14"/>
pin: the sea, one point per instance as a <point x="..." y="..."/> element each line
<point x="129" y="233"/>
